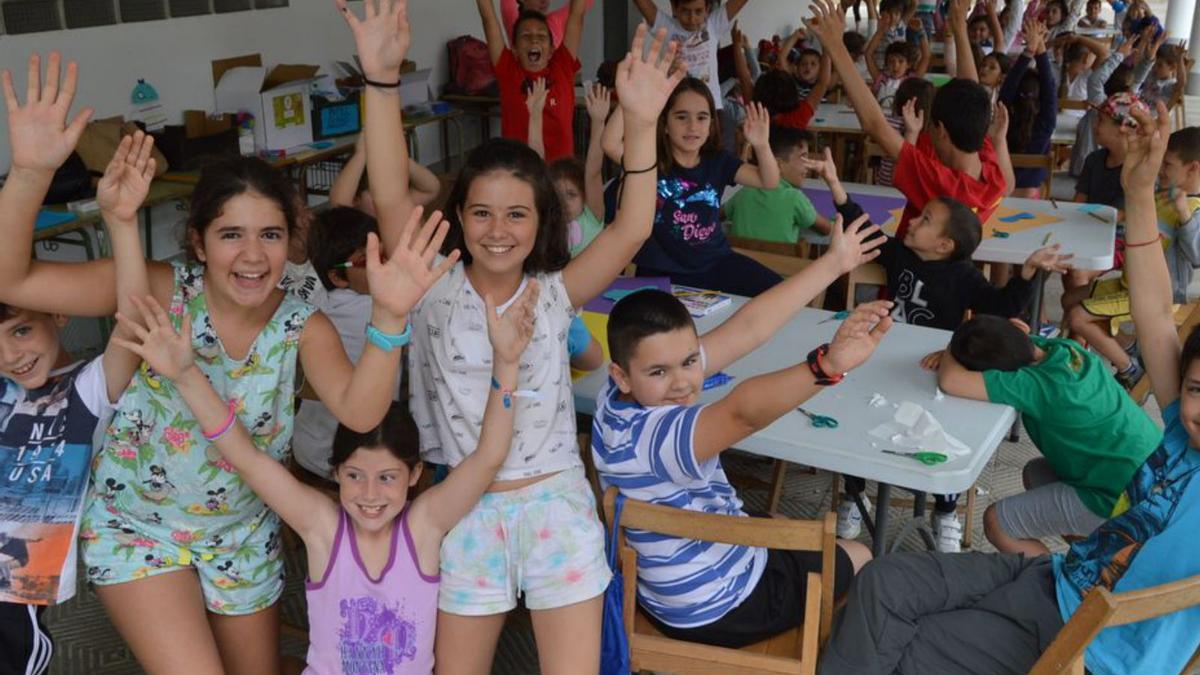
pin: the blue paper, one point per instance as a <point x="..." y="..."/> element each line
<point x="1024" y="215"/>
<point x="617" y="294"/>
<point x="715" y="380"/>
<point x="47" y="219"/>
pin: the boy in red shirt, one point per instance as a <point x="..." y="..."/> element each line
<point x="531" y="57"/>
<point x="963" y="154"/>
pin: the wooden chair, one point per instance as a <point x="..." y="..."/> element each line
<point x="871" y="151"/>
<point x="1102" y="608"/>
<point x="1020" y="161"/>
<point x="794" y="651"/>
<point x="1071" y="104"/>
<point x="871" y="273"/>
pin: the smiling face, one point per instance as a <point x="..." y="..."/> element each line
<point x="664" y="369"/>
<point x="1093" y="10"/>
<point x="989" y="72"/>
<point x="691" y="14"/>
<point x="1054" y="15"/>
<point x="29" y="347"/>
<point x="926" y="235"/>
<point x="500" y="222"/>
<point x="244" y="249"/>
<point x="373" y="487"/>
<point x="978" y="32"/>
<point x="689" y="122"/>
<point x="532" y="45"/>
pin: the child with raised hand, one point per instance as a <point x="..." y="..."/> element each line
<point x="505" y="214"/>
<point x="351" y="188"/>
<point x="783" y="213"/>
<point x="962" y="153"/>
<point x="900" y="62"/>
<point x="910" y="108"/>
<point x="511" y="11"/>
<point x="580" y="187"/>
<point x="1032" y="101"/>
<point x="196" y="520"/>
<point x="697" y="26"/>
<point x="373" y="549"/>
<point x="50" y="403"/>
<point x="655" y="442"/>
<point x="688" y="243"/>
<point x="533" y="56"/>
<point x="1000" y="611"/>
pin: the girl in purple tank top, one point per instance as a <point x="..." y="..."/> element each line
<point x="373" y="557"/>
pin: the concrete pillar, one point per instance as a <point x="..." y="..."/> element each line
<point x="1180" y="15"/>
<point x="1193" y="87"/>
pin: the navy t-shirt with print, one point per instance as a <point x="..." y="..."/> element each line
<point x="687" y="236"/>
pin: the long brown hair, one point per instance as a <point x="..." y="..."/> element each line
<point x="666" y="157"/>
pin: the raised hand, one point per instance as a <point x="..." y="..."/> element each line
<point x="1128" y="45"/>
<point x="166" y="350"/>
<point x="757" y="127"/>
<point x="958" y="11"/>
<point x="858" y="336"/>
<point x="38" y="133"/>
<point x="645" y="79"/>
<point x="511" y="331"/>
<point x="824" y="168"/>
<point x="1047" y="259"/>
<point x="854" y="245"/>
<point x="828" y="22"/>
<point x="914" y="120"/>
<point x="535" y="100"/>
<point x="382" y="36"/>
<point x="1145" y="145"/>
<point x="126" y="179"/>
<point x="998" y="129"/>
<point x="399" y="284"/>
<point x="599" y="102"/>
<point x="738" y="37"/>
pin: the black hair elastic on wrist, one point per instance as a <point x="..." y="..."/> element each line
<point x="383" y="85"/>
<point x="648" y="169"/>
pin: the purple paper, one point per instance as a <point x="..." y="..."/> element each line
<point x="878" y="208"/>
<point x="602" y="305"/>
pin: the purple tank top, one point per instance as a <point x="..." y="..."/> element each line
<point x="364" y="626"/>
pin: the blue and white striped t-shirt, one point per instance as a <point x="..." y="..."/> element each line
<point x="647" y="454"/>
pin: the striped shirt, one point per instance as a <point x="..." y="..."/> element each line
<point x="647" y="454"/>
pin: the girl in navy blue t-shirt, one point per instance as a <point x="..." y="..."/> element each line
<point x="688" y="244"/>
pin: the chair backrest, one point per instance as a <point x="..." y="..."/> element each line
<point x="1103" y="608"/>
<point x="1022" y="161"/>
<point x="782" y="258"/>
<point x="1071" y="104"/>
<point x="871" y="151"/>
<point x="869" y="273"/>
<point x="655" y="652"/>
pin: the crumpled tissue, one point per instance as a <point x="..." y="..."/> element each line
<point x="915" y="428"/>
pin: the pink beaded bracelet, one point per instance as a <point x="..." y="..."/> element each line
<point x="225" y="426"/>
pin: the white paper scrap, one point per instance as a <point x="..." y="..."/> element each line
<point x="915" y="428"/>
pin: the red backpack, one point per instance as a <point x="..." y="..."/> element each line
<point x="470" y="68"/>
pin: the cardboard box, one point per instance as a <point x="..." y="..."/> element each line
<point x="278" y="98"/>
<point x="198" y="140"/>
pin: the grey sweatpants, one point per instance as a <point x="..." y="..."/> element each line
<point x="945" y="613"/>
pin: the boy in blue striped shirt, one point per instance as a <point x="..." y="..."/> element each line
<point x="653" y="441"/>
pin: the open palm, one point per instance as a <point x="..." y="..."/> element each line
<point x="38" y="133"/>
<point x="511" y="331"/>
<point x="382" y="36"/>
<point x="126" y="180"/>
<point x="645" y="79"/>
<point x="399" y="284"/>
<point x="166" y="350"/>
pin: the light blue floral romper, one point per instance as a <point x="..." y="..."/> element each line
<point x="163" y="498"/>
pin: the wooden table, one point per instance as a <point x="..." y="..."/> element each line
<point x="162" y="190"/>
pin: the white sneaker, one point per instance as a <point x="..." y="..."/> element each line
<point x="947" y="532"/>
<point x="849" y="520"/>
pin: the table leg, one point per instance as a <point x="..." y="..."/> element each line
<point x="883" y="498"/>
<point x="1039" y="289"/>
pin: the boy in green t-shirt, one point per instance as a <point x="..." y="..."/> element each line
<point x="1092" y="436"/>
<point x="779" y="214"/>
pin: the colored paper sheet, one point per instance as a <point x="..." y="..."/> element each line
<point x="1010" y="220"/>
<point x="604" y="302"/>
<point x="47" y="219"/>
<point x="878" y="208"/>
<point x="597" y="325"/>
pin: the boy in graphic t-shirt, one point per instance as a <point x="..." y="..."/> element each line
<point x="698" y="30"/>
<point x="531" y="57"/>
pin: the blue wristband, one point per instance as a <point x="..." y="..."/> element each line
<point x="578" y="337"/>
<point x="388" y="341"/>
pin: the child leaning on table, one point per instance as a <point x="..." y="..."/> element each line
<point x="933" y="282"/>
<point x="1093" y="437"/>
<point x="654" y="442"/>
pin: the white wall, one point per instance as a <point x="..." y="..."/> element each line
<point x="174" y="55"/>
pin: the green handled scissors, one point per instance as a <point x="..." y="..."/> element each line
<point x="926" y="458"/>
<point x="820" y="421"/>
